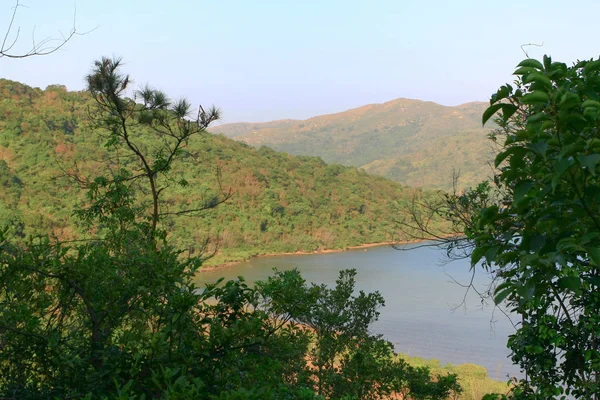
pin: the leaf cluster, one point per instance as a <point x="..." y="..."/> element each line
<point x="542" y="234"/>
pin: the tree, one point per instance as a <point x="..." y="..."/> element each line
<point x="537" y="226"/>
<point x="102" y="313"/>
<point x="343" y="358"/>
<point x="118" y="316"/>
<point x="136" y="157"/>
<point x="44" y="47"/>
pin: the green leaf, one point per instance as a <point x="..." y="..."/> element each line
<point x="571" y="150"/>
<point x="521" y="190"/>
<point x="591" y="103"/>
<point x="537" y="85"/>
<point x="590" y="113"/>
<point x="510" y="151"/>
<point x="557" y="73"/>
<point x="500" y="158"/>
<point x="492" y="253"/>
<point x="594" y="280"/>
<point x="524" y="71"/>
<point x="537" y="242"/>
<point x="561" y="167"/>
<point x="594" y="255"/>
<point x="569" y="100"/>
<point x="508" y="110"/>
<point x="487" y="114"/>
<point x="590" y="162"/>
<point x="546" y="125"/>
<point x="538" y="78"/>
<point x="531" y="62"/>
<point x="572" y="121"/>
<point x="522" y="135"/>
<point x="476" y="256"/>
<point x="526" y="291"/>
<point x="539" y="117"/>
<point x="588" y="237"/>
<point x="572" y="283"/>
<point x="536" y="97"/>
<point x="500" y="295"/>
<point x="592" y="66"/>
<point x="593" y="143"/>
<point x="568" y="245"/>
<point x="502" y="93"/>
<point x="539" y="148"/>
<point x="547" y="61"/>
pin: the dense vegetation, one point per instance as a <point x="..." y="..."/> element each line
<point x="545" y="238"/>
<point x="105" y="320"/>
<point x="537" y="226"/>
<point x="114" y="313"/>
<point x="278" y="203"/>
<point x="117" y="316"/>
<point x="413" y="142"/>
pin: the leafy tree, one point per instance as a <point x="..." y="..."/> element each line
<point x="115" y="309"/>
<point x="48" y="134"/>
<point x="11" y="187"/>
<point x="169" y="123"/>
<point x="118" y="316"/>
<point x="344" y="358"/>
<point x="537" y="227"/>
<point x="123" y="324"/>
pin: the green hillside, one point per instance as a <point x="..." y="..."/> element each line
<point x="414" y="142"/>
<point x="280" y="203"/>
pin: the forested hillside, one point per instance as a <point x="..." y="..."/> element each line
<point x="414" y="142"/>
<point x="279" y="203"/>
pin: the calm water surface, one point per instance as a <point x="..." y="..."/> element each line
<point x="420" y="317"/>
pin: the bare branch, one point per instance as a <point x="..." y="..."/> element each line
<point x="529" y="44"/>
<point x="211" y="204"/>
<point x="44" y="47"/>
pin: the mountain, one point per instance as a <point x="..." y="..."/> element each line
<point x="280" y="203"/>
<point x="417" y="143"/>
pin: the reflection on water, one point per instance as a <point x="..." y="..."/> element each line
<point x="421" y="317"/>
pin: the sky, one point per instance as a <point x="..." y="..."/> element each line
<point x="261" y="60"/>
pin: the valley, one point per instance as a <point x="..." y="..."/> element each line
<point x="416" y="143"/>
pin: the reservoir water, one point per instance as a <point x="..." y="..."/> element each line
<point x="424" y="314"/>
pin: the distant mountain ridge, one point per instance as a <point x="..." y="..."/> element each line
<point x="417" y="143"/>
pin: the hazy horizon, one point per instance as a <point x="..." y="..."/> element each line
<point x="272" y="60"/>
<point x="345" y="110"/>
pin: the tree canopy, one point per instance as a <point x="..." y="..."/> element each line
<point x="116" y="314"/>
<point x="537" y="226"/>
<point x="279" y="203"/>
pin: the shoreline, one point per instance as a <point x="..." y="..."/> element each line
<point x="304" y="253"/>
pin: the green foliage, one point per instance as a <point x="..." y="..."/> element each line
<point x="473" y="379"/>
<point x="126" y="322"/>
<point x="542" y="232"/>
<point x="169" y="129"/>
<point x="77" y="319"/>
<point x="117" y="316"/>
<point x="279" y="203"/>
<point x="413" y="142"/>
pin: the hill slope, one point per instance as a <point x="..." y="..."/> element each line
<point x="414" y="142"/>
<point x="281" y="203"/>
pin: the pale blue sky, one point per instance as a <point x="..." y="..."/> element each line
<point x="265" y="59"/>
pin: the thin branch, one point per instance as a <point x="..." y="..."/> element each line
<point x="529" y="44"/>
<point x="12" y="20"/>
<point x="203" y="208"/>
<point x="37" y="48"/>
